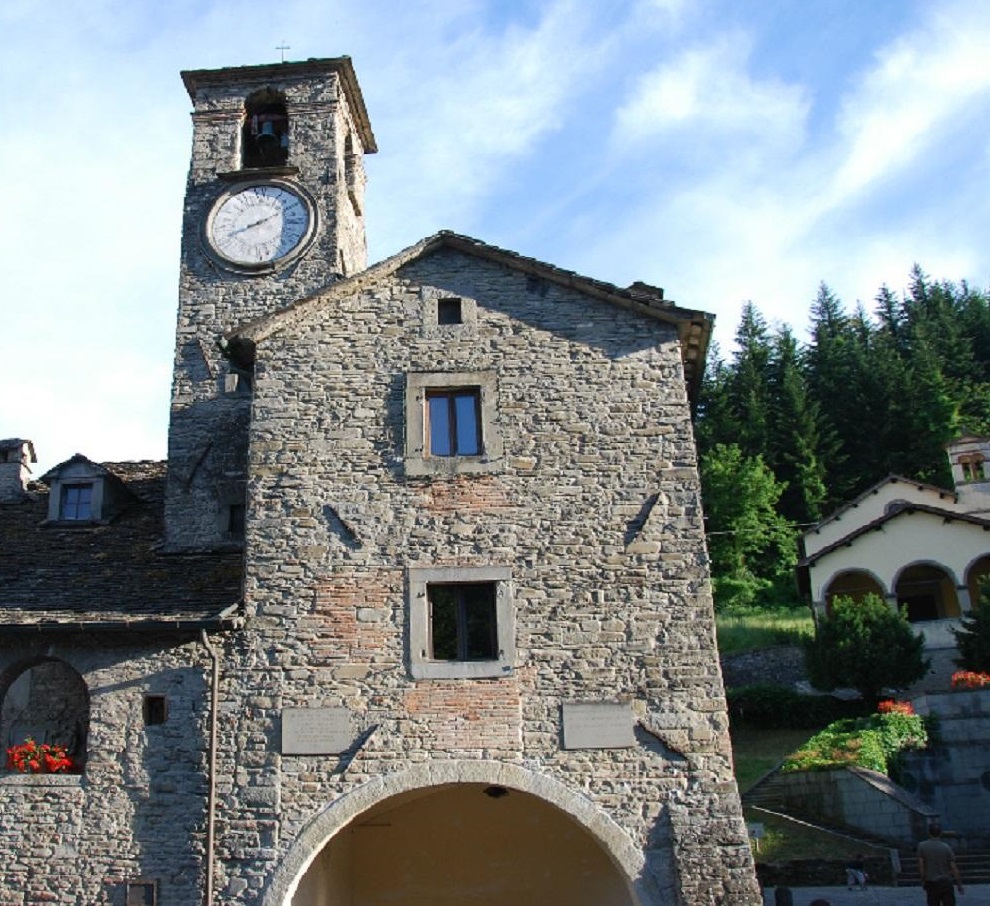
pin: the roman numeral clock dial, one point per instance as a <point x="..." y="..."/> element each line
<point x="259" y="226"/>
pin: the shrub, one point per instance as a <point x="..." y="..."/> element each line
<point x="973" y="636"/>
<point x="875" y="742"/>
<point x="866" y="646"/>
<point x="770" y="707"/>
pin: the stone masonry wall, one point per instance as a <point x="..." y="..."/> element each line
<point x="953" y="775"/>
<point x="138" y="807"/>
<point x="205" y="432"/>
<point x="594" y="507"/>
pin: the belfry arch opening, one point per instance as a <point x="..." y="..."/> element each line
<point x="265" y="136"/>
<point x="468" y="842"/>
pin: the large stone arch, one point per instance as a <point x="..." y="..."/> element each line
<point x="615" y="843"/>
<point x="927" y="589"/>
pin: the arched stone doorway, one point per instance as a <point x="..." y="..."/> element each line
<point x="855" y="584"/>
<point x="467" y="843"/>
<point x="928" y="592"/>
<point x="478" y="832"/>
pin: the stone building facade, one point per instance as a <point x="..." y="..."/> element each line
<point x="427" y="618"/>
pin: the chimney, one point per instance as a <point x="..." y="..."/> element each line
<point x="16" y="455"/>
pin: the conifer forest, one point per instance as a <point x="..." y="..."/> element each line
<point x="788" y="431"/>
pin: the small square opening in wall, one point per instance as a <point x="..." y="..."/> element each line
<point x="142" y="892"/>
<point x="155" y="710"/>
<point x="461" y="622"/>
<point x="236" y="516"/>
<point x="450" y="311"/>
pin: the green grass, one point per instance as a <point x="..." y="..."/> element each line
<point x="784" y="840"/>
<point x="751" y="629"/>
<point x="757" y="751"/>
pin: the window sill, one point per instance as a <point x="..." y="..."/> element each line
<point x="434" y="670"/>
<point x="16" y="778"/>
<point x="451" y="466"/>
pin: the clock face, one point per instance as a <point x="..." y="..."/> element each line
<point x="259" y="225"/>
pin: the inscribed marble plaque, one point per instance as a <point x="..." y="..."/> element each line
<point x="316" y="731"/>
<point x="598" y="725"/>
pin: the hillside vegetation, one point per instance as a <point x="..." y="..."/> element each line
<point x="788" y="431"/>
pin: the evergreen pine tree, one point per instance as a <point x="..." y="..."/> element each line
<point x="973" y="636"/>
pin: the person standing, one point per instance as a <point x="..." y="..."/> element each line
<point x="937" y="866"/>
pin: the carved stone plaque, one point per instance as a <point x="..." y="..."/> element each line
<point x="316" y="731"/>
<point x="598" y="725"/>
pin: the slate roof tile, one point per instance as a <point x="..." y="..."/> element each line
<point x="110" y="576"/>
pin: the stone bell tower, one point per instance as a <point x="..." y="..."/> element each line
<point x="274" y="211"/>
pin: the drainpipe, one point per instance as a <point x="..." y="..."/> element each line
<point x="211" y="797"/>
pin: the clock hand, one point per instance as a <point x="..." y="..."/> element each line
<point x="251" y="226"/>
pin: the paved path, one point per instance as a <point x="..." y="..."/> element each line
<point x="977" y="895"/>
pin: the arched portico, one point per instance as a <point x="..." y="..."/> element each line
<point x="977" y="575"/>
<point x="437" y="834"/>
<point x="853" y="583"/>
<point x="927" y="591"/>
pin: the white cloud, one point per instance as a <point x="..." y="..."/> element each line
<point x="471" y="108"/>
<point x="706" y="94"/>
<point x="920" y="81"/>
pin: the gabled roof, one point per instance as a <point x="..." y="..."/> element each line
<point x="109" y="577"/>
<point x="942" y="494"/>
<point x="895" y="512"/>
<point x="94" y="468"/>
<point x="693" y="327"/>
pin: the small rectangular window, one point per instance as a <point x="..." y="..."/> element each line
<point x="454" y="422"/>
<point x="236" y="514"/>
<point x="142" y="893"/>
<point x="462" y="622"/>
<point x="449" y="311"/>
<point x="77" y="502"/>
<point x="155" y="710"/>
<point x="451" y="423"/>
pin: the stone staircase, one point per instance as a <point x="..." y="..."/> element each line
<point x="767" y="795"/>
<point x="974" y="866"/>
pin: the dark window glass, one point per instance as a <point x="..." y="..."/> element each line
<point x="454" y="423"/>
<point x="462" y="622"/>
<point x="155" y="710"/>
<point x="235" y="521"/>
<point x="77" y="501"/>
<point x="449" y="311"/>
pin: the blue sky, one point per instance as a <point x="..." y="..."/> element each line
<point x="726" y="150"/>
